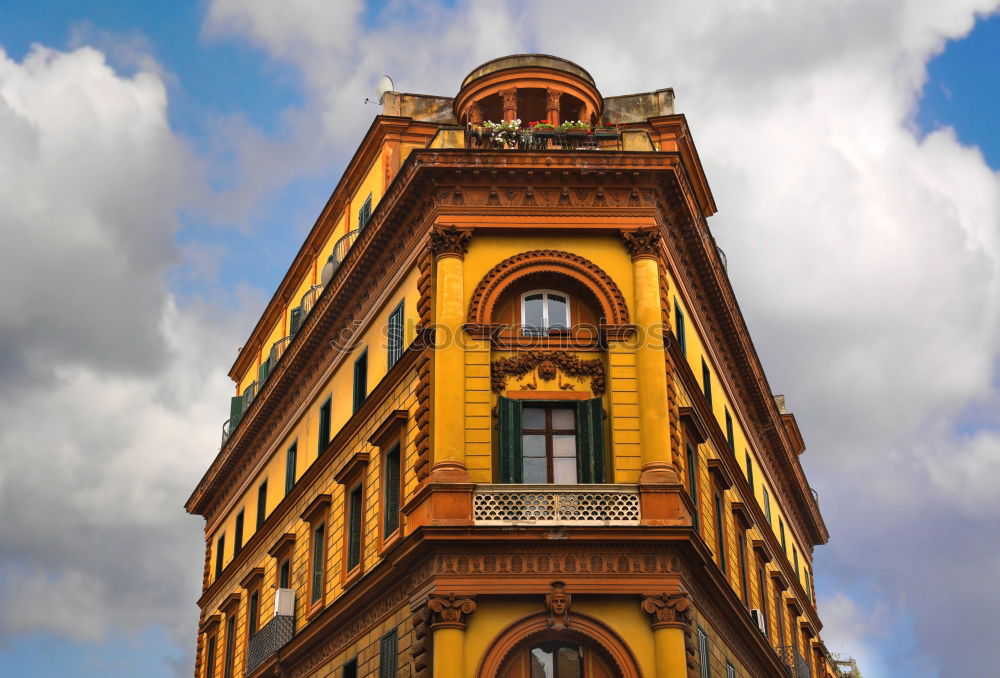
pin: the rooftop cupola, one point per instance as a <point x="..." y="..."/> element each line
<point x="528" y="87"/>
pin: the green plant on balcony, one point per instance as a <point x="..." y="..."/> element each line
<point x="575" y="127"/>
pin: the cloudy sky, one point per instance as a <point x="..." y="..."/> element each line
<point x="160" y="163"/>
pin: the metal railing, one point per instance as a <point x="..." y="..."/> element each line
<point x="342" y="247"/>
<point x="556" y="505"/>
<point x="268" y="640"/>
<point x="540" y="140"/>
<point x="309" y="299"/>
<point x="249" y="393"/>
<point x="278" y="350"/>
<point x="794" y="662"/>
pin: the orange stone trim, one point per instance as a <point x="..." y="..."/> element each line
<point x="538" y="624"/>
<point x="512" y="269"/>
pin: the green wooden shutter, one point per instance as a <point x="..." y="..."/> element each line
<point x="264" y="371"/>
<point x="590" y="441"/>
<point x="511" y="469"/>
<point x="295" y="321"/>
<point x="392" y="462"/>
<point x="235" y="407"/>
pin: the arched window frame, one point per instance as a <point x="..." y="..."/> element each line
<point x="545" y="310"/>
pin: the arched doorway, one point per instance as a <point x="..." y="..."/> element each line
<point x="560" y="656"/>
<point x="535" y="648"/>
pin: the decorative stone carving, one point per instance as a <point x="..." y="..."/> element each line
<point x="547" y="364"/>
<point x="449" y="240"/>
<point x="668" y="609"/>
<point x="552" y="99"/>
<point x="509" y="97"/>
<point x="450" y="610"/>
<point x="558" y="601"/>
<point x="643" y="242"/>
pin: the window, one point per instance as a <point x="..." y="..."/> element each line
<point x="744" y="588"/>
<point x="767" y="504"/>
<point x="795" y="557"/>
<point x="220" y="550"/>
<point x="238" y="537"/>
<point x="781" y="529"/>
<point x="543" y="311"/>
<point x="720" y="531"/>
<point x="290" y="463"/>
<point x="261" y="504"/>
<point x="805" y="574"/>
<point x="390" y="501"/>
<point x="692" y="469"/>
<point x="387" y="655"/>
<point x="210" y="657"/>
<point x="706" y="382"/>
<point x="395" y="332"/>
<point x="558" y="660"/>
<point x="551" y="441"/>
<point x="354" y="517"/>
<point x="253" y="612"/>
<point x="318" y="564"/>
<point x="762" y="586"/>
<point x="730" y="670"/>
<point x="706" y="670"/>
<point x="365" y="213"/>
<point x="781" y="615"/>
<point x="730" y="438"/>
<point x="285" y="573"/>
<point x="230" y="644"/>
<point x="350" y="669"/>
<point x="360" y="379"/>
<point x="679" y="327"/>
<point x="750" y="473"/>
<point x="324" y="426"/>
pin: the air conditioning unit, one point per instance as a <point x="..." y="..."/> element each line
<point x="284" y="603"/>
<point x="758" y="618"/>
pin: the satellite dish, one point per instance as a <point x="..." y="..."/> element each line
<point x="384" y="85"/>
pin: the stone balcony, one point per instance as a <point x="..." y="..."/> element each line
<point x="569" y="505"/>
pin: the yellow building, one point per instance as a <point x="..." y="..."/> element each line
<point x="502" y="417"/>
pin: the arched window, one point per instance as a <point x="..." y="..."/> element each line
<point x="543" y="311"/>
<point x="558" y="658"/>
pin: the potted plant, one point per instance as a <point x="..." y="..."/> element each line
<point x="606" y="129"/>
<point x="575" y="127"/>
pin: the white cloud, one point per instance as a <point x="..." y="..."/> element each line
<point x="864" y="257"/>
<point x="112" y="394"/>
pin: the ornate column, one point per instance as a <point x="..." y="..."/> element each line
<point x="552" y="105"/>
<point x="658" y="478"/>
<point x="448" y="633"/>
<point x="509" y="97"/>
<point x="671" y="623"/>
<point x="475" y="112"/>
<point x="445" y="496"/>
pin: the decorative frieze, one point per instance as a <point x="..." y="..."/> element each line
<point x="546" y="366"/>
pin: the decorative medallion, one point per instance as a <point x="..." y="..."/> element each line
<point x="557" y="602"/>
<point x="547" y="366"/>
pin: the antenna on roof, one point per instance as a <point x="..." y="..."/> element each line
<point x="384" y="85"/>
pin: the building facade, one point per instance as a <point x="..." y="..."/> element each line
<point x="503" y="418"/>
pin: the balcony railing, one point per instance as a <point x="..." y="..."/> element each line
<point x="249" y="393"/>
<point x="541" y="140"/>
<point x="794" y="663"/>
<point x="268" y="640"/>
<point x="309" y="299"/>
<point x="556" y="505"/>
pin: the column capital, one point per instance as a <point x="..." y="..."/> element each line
<point x="669" y="610"/>
<point x="642" y="243"/>
<point x="449" y="610"/>
<point x="449" y="241"/>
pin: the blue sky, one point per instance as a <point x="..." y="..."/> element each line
<point x="261" y="114"/>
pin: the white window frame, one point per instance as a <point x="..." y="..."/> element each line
<point x="545" y="308"/>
